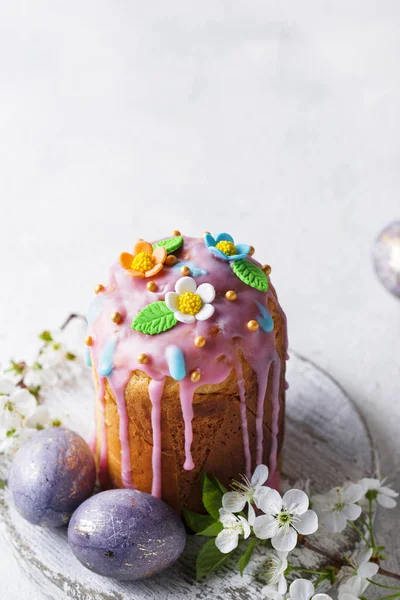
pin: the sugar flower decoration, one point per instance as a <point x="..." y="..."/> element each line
<point x="190" y="302"/>
<point x="284" y="518"/>
<point x="338" y="506"/>
<point x="145" y="261"/>
<point x="375" y="488"/>
<point x="249" y="492"/>
<point x="233" y="526"/>
<point x="223" y="247"/>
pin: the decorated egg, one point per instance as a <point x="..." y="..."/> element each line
<point x="126" y="534"/>
<point x="386" y="257"/>
<point x="51" y="475"/>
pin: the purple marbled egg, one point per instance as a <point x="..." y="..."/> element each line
<point x="126" y="534"/>
<point x="386" y="257"/>
<point x="51" y="475"/>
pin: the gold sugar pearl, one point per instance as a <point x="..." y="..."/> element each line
<point x="253" y="325"/>
<point x="185" y="270"/>
<point x="251" y="250"/>
<point x="99" y="288"/>
<point x="116" y="317"/>
<point x="195" y="376"/>
<point x="151" y="286"/>
<point x="267" y="269"/>
<point x="231" y="295"/>
<point x="200" y="341"/>
<point x="89" y="340"/>
<point x="176" y="232"/>
<point x="171" y="260"/>
<point x="143" y="359"/>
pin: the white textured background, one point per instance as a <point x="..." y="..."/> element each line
<point x="278" y="122"/>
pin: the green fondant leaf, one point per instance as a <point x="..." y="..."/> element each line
<point x="197" y="522"/>
<point x="154" y="318"/>
<point x="209" y="559"/>
<point x="250" y="274"/>
<point x="212" y="497"/>
<point x="171" y="244"/>
<point x="246" y="556"/>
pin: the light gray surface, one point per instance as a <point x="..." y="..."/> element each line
<point x="316" y="450"/>
<point x="276" y="121"/>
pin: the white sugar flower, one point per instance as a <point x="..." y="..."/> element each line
<point x="283" y="518"/>
<point x="338" y="506"/>
<point x="190" y="302"/>
<point x="383" y="493"/>
<point x="300" y="589"/>
<point x="249" y="492"/>
<point x="276" y="564"/>
<point x="228" y="539"/>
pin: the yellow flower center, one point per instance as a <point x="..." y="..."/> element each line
<point x="143" y="262"/>
<point x="227" y="248"/>
<point x="189" y="303"/>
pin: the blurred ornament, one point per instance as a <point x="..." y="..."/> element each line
<point x="386" y="257"/>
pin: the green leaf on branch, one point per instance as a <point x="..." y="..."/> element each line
<point x="209" y="559"/>
<point x="154" y="318"/>
<point x="250" y="274"/>
<point x="247" y="554"/>
<point x="170" y="244"/>
<point x="212" y="497"/>
<point x="212" y="530"/>
<point x="197" y="522"/>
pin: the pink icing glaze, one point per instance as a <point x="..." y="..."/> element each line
<point x="117" y="381"/>
<point x="243" y="416"/>
<point x="156" y="389"/>
<point x="103" y="462"/>
<point x="215" y="360"/>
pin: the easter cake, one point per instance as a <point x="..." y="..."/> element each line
<point x="188" y="344"/>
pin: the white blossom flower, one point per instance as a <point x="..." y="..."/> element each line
<point x="249" y="492"/>
<point x="228" y="539"/>
<point x="7" y="386"/>
<point x="384" y="494"/>
<point x="190" y="302"/>
<point x="355" y="585"/>
<point x="338" y="506"/>
<point x="300" y="589"/>
<point x="276" y="564"/>
<point x="283" y="518"/>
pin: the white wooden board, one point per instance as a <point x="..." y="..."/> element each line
<point x="326" y="442"/>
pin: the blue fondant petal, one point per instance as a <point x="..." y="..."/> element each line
<point x="264" y="320"/>
<point x="223" y="237"/>
<point x="106" y="363"/>
<point x="209" y="240"/>
<point x="242" y="249"/>
<point x="176" y="362"/>
<point x="217" y="252"/>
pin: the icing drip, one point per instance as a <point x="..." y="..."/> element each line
<point x="262" y="382"/>
<point x="103" y="463"/>
<point x="275" y="415"/>
<point x="95" y="309"/>
<point x="186" y="396"/>
<point x="156" y="389"/>
<point x="243" y="415"/>
<point x="106" y="363"/>
<point x="117" y="385"/>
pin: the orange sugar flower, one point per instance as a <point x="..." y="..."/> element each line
<point x="145" y="261"/>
